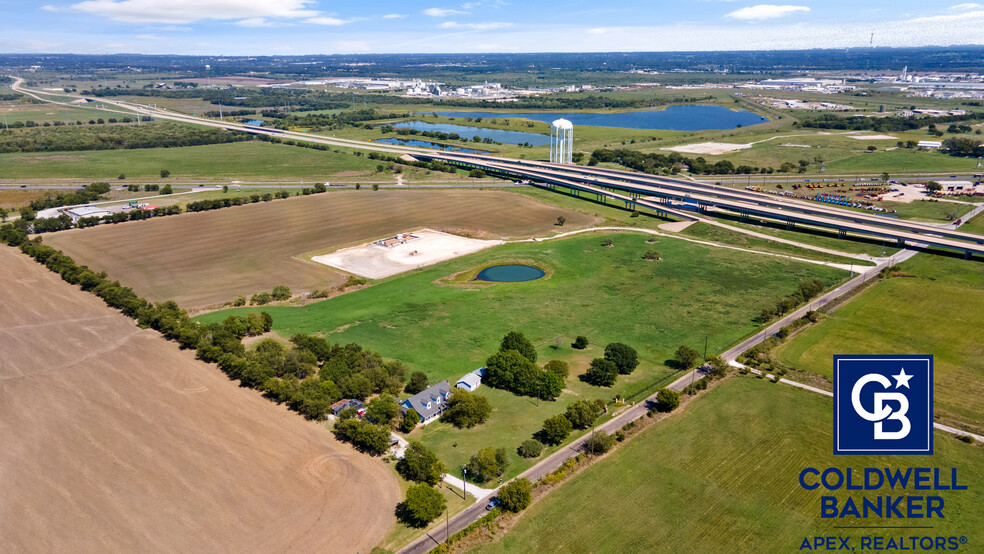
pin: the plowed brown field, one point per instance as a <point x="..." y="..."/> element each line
<point x="207" y="257"/>
<point x="113" y="440"/>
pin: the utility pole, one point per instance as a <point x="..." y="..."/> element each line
<point x="447" y="525"/>
<point x="464" y="484"/>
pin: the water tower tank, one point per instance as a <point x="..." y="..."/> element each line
<point x="561" y="141"/>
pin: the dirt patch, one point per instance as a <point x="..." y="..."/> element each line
<point x="709" y="148"/>
<point x="114" y="440"/>
<point x="676" y="226"/>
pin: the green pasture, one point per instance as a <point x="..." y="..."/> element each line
<point x="938" y="310"/>
<point x="240" y="160"/>
<point x="723" y="476"/>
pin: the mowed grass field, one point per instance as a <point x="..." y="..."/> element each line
<point x="939" y="311"/>
<point x="238" y="160"/>
<point x="723" y="476"/>
<point x="114" y="440"/>
<point x="605" y="294"/>
<point x="203" y="258"/>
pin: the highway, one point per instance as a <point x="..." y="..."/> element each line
<point x="634" y="189"/>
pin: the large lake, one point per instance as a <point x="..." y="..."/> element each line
<point x="429" y="144"/>
<point x="674" y="118"/>
<point x="498" y="135"/>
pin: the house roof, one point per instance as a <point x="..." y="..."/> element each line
<point x="471" y="379"/>
<point x="345" y="403"/>
<point x="429" y="401"/>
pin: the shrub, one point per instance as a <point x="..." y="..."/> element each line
<point x="966" y="438"/>
<point x="373" y="439"/>
<point x="241" y="301"/>
<point x="260" y="299"/>
<point x="561" y="220"/>
<point x="555" y="429"/>
<point x="166" y="189"/>
<point x="625" y="358"/>
<point x="516" y="495"/>
<point x="281" y="292"/>
<point x="580" y="343"/>
<point x="667" y="400"/>
<point x="383" y="409"/>
<point x="602" y="373"/>
<point x="165" y="173"/>
<point x="531" y="448"/>
<point x="558" y="368"/>
<point x="599" y="442"/>
<point x="422" y="505"/>
<point x="466" y="410"/>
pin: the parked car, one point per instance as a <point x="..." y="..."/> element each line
<point x="495" y="502"/>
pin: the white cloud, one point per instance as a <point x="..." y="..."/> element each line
<point x="330" y="21"/>
<point x="765" y="11"/>
<point x="601" y="30"/>
<point x="966" y="7"/>
<point x="189" y="11"/>
<point x="475" y="26"/>
<point x="256" y="22"/>
<point x="151" y="37"/>
<point x="394" y="16"/>
<point x="441" y="12"/>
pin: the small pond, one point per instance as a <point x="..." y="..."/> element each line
<point x="512" y="273"/>
<point x="429" y="144"/>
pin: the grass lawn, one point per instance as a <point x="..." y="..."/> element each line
<point x="940" y="312"/>
<point x="704" y="231"/>
<point x="724" y="477"/>
<point x="975" y="225"/>
<point x="449" y="330"/>
<point x="242" y="160"/>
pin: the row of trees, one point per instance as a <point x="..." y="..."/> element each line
<point x="512" y="368"/>
<point x="153" y="135"/>
<point x="29" y="124"/>
<point x="804" y="292"/>
<point x="883" y="124"/>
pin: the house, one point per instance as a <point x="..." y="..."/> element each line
<point x="430" y="402"/>
<point x="472" y="380"/>
<point x="337" y="407"/>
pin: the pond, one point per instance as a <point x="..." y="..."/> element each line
<point x="511" y="273"/>
<point x="498" y="135"/>
<point x="428" y="144"/>
<point x="699" y="117"/>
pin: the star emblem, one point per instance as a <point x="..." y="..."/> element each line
<point x="902" y="380"/>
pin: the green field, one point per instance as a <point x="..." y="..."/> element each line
<point x="241" y="160"/>
<point x="723" y="477"/>
<point x="975" y="225"/>
<point x="448" y="330"/>
<point x="704" y="231"/>
<point x="940" y="312"/>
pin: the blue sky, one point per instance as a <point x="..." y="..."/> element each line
<point x="271" y="27"/>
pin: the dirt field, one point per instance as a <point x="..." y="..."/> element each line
<point x="207" y="257"/>
<point x="427" y="247"/>
<point x="113" y="440"/>
<point x="709" y="148"/>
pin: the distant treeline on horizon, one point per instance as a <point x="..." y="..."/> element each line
<point x="953" y="58"/>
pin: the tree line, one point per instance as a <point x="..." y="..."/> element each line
<point x="153" y="135"/>
<point x="882" y="124"/>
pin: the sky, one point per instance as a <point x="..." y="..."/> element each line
<point x="296" y="27"/>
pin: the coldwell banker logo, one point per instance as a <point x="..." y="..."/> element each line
<point x="883" y="404"/>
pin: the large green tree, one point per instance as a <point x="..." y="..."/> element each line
<point x="686" y="357"/>
<point x="421" y="465"/>
<point x="625" y="358"/>
<point x="488" y="464"/>
<point x="383" y="409"/>
<point x="516" y="495"/>
<point x="466" y="410"/>
<point x="517" y="341"/>
<point x="582" y="413"/>
<point x="555" y="429"/>
<point x="602" y="373"/>
<point x="422" y="505"/>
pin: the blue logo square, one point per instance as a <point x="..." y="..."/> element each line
<point x="883" y="404"/>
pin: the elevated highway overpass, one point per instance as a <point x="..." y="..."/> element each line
<point x="633" y="189"/>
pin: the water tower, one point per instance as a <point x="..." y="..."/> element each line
<point x="561" y="141"/>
